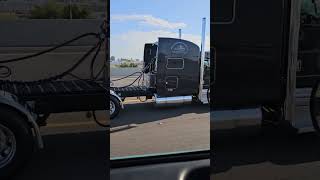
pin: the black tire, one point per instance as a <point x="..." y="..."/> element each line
<point x="22" y="133"/>
<point x="117" y="107"/>
<point x="314" y="105"/>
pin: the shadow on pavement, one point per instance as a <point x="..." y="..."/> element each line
<point x="249" y="146"/>
<point x="80" y="156"/>
<point x="146" y="112"/>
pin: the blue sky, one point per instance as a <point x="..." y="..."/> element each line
<point x="135" y="22"/>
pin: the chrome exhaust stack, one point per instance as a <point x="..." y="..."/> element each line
<point x="171" y="101"/>
<point x="203" y="42"/>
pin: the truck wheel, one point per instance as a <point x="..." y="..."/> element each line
<point x="114" y="107"/>
<point x="315" y="107"/>
<point x="16" y="142"/>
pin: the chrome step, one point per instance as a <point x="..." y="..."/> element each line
<point x="204" y="97"/>
<point x="302" y="119"/>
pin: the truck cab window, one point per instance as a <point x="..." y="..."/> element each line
<point x="207" y="59"/>
<point x="310" y="12"/>
<point x="206" y="63"/>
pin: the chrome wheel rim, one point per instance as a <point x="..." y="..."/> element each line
<point x="8" y="146"/>
<point x="112" y="107"/>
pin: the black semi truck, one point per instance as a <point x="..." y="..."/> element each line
<point x="177" y="72"/>
<point x="265" y="62"/>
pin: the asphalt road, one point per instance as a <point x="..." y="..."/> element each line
<point x="75" y="148"/>
<point x="248" y="154"/>
<point x="244" y="153"/>
<point x="143" y="129"/>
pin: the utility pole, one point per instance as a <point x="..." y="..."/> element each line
<point x="70" y="9"/>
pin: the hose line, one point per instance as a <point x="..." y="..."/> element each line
<point x="6" y="72"/>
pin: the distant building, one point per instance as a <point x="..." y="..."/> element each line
<point x="22" y="8"/>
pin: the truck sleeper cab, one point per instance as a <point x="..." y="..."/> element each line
<point x="172" y="69"/>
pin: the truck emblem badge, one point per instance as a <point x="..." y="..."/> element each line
<point x="179" y="48"/>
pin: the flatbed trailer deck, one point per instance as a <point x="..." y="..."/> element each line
<point x="25" y="105"/>
<point x="60" y="96"/>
